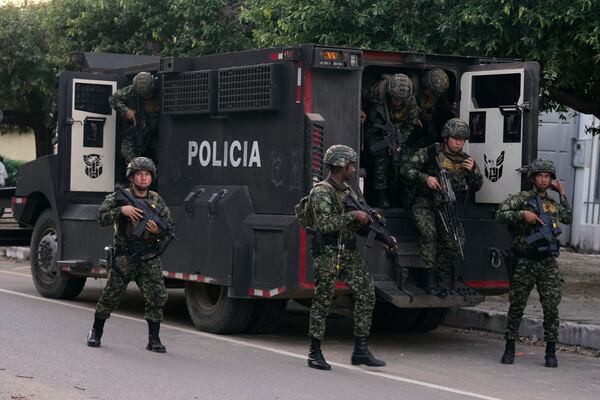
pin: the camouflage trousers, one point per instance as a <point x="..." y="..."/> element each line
<point x="353" y="271"/>
<point x="437" y="247"/>
<point x="147" y="276"/>
<point x="129" y="148"/>
<point x="546" y="276"/>
<point x="383" y="175"/>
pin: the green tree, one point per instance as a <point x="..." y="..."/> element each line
<point x="27" y="73"/>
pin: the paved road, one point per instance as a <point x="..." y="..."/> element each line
<point x="43" y="356"/>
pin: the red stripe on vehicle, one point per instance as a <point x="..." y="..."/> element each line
<point x="488" y="284"/>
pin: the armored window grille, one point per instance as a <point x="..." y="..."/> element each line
<point x="186" y="93"/>
<point x="249" y="88"/>
<point x="315" y="131"/>
<point x="92" y="98"/>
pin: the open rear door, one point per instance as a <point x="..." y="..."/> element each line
<point x="90" y="134"/>
<point x="500" y="103"/>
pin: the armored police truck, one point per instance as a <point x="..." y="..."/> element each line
<point x="242" y="137"/>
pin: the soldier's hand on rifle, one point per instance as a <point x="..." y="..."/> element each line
<point x="134" y="214"/>
<point x="532" y="218"/>
<point x="130" y="115"/>
<point x="362" y="217"/>
<point x="468" y="164"/>
<point x="557" y="186"/>
<point x="152" y="227"/>
<point x="433" y="183"/>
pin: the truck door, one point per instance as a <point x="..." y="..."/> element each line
<point x="90" y="143"/>
<point x="500" y="103"/>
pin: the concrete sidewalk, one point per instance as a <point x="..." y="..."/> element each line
<point x="579" y="309"/>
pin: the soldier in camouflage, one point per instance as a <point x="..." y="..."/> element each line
<point x="138" y="104"/>
<point x="135" y="259"/>
<point x="534" y="263"/>
<point x="437" y="247"/>
<point x="336" y="257"/>
<point x="396" y="108"/>
<point x="434" y="107"/>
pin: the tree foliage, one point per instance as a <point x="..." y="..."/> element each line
<point x="563" y="35"/>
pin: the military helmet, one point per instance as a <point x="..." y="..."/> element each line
<point x="143" y="84"/>
<point x="541" y="165"/>
<point x="456" y="128"/>
<point x="436" y="80"/>
<point x="339" y="155"/>
<point x="399" y="86"/>
<point x="140" y="164"/>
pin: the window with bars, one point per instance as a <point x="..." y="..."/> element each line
<point x="249" y="88"/>
<point x="186" y="93"/>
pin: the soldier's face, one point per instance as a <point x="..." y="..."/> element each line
<point x="542" y="180"/>
<point x="455" y="145"/>
<point x="142" y="180"/>
<point x="349" y="171"/>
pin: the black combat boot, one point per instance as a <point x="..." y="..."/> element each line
<point x="381" y="199"/>
<point x="315" y="356"/>
<point x="93" y="339"/>
<point x="362" y="355"/>
<point x="509" y="352"/>
<point x="551" y="361"/>
<point x="154" y="343"/>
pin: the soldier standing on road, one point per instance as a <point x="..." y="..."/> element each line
<point x="336" y="257"/>
<point x="135" y="259"/>
<point x="535" y="260"/>
<point x="434" y="107"/>
<point x="395" y="114"/>
<point x="138" y="104"/>
<point x="437" y="246"/>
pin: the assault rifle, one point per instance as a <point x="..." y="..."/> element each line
<point x="391" y="140"/>
<point x="447" y="211"/>
<point x="377" y="230"/>
<point x="150" y="213"/>
<point x="545" y="239"/>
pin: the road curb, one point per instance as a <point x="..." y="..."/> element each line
<point x="571" y="333"/>
<point x="19" y="253"/>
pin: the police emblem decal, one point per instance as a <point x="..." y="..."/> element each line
<point x="493" y="168"/>
<point x="93" y="165"/>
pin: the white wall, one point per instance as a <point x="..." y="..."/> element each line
<point x="585" y="229"/>
<point x="18" y="146"/>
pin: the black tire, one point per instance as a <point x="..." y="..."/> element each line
<point x="429" y="319"/>
<point x="389" y="318"/>
<point x="212" y="310"/>
<point x="49" y="280"/>
<point x="265" y="317"/>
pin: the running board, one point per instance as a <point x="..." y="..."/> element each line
<point x="411" y="296"/>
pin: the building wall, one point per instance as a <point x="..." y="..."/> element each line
<point x="585" y="234"/>
<point x="18" y="146"/>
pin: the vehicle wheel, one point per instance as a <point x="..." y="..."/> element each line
<point x="266" y="315"/>
<point x="48" y="279"/>
<point x="389" y="318"/>
<point x="428" y="319"/>
<point x="212" y="310"/>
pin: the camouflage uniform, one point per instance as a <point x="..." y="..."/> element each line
<point x="331" y="219"/>
<point x="532" y="269"/>
<point x="434" y="108"/>
<point x="404" y="117"/>
<point x="147" y="109"/>
<point x="437" y="247"/>
<point x="131" y="254"/>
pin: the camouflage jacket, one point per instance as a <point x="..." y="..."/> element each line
<point x="110" y="213"/>
<point x="405" y="119"/>
<point x="330" y="215"/>
<point x="511" y="212"/>
<point x="125" y="98"/>
<point x="420" y="166"/>
<point x="433" y="114"/>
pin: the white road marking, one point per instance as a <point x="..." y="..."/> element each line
<point x="264" y="348"/>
